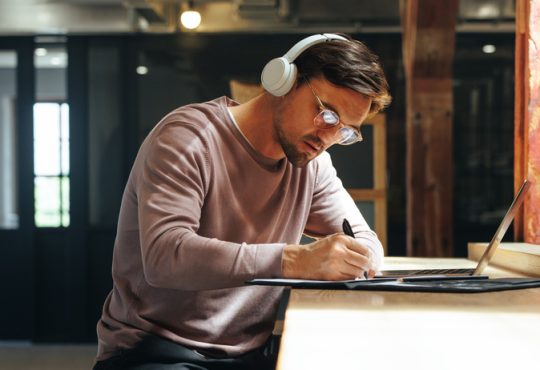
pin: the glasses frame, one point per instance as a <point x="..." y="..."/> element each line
<point x="345" y="131"/>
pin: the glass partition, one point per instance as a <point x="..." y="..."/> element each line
<point x="51" y="137"/>
<point x="9" y="213"/>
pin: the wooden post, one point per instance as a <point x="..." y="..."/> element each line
<point x="527" y="118"/>
<point x="428" y="49"/>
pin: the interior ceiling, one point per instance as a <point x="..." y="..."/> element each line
<point x="121" y="16"/>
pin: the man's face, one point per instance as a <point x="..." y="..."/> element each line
<point x="294" y="127"/>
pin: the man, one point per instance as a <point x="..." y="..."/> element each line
<point x="221" y="193"/>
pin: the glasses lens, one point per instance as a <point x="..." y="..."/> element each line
<point x="348" y="136"/>
<point x="326" y="118"/>
<point x="330" y="118"/>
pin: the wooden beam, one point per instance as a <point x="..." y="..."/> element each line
<point x="367" y="194"/>
<point x="527" y="117"/>
<point x="428" y="49"/>
<point x="379" y="155"/>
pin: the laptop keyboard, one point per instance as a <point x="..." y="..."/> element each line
<point x="428" y="272"/>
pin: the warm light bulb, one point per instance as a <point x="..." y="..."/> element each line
<point x="190" y="19"/>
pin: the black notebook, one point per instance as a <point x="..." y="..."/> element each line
<point x="477" y="284"/>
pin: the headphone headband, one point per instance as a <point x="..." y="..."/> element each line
<point x="279" y="74"/>
<point x="308" y="42"/>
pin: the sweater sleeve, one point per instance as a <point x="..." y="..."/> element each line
<point x="331" y="204"/>
<point x="171" y="186"/>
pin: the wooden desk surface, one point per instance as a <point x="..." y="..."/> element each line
<point x="330" y="329"/>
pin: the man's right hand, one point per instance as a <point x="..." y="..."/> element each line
<point x="336" y="257"/>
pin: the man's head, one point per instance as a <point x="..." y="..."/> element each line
<point x="337" y="80"/>
<point x="348" y="64"/>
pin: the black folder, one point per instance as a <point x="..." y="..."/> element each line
<point x="477" y="284"/>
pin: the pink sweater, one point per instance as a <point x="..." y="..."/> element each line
<point x="203" y="212"/>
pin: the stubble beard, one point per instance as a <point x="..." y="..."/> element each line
<point x="294" y="156"/>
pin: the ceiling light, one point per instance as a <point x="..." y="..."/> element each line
<point x="40" y="52"/>
<point x="487" y="11"/>
<point x="55" y="61"/>
<point x="190" y="18"/>
<point x="142" y="70"/>
<point x="489" y="49"/>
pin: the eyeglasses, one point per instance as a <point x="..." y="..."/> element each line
<point x="327" y="118"/>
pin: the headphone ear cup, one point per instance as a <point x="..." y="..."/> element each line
<point x="277" y="75"/>
<point x="289" y="81"/>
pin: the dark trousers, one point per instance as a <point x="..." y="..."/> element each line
<point x="155" y="353"/>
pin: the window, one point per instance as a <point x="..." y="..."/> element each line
<point x="51" y="164"/>
<point x="9" y="212"/>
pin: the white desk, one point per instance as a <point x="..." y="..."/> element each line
<point x="330" y="329"/>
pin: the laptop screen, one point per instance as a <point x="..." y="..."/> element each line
<point x="501" y="230"/>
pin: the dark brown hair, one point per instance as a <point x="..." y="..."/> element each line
<point x="348" y="64"/>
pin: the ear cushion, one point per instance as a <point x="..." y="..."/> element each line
<point x="289" y="81"/>
<point x="277" y="75"/>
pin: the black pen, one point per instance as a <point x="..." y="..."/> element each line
<point x="347" y="229"/>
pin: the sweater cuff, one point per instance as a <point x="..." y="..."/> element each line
<point x="377" y="251"/>
<point x="268" y="261"/>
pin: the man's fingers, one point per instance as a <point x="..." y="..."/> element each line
<point x="335" y="257"/>
<point x="356" y="246"/>
<point x="358" y="256"/>
<point x="353" y="272"/>
<point x="349" y="272"/>
<point x="358" y="260"/>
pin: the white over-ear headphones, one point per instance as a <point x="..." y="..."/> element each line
<point x="279" y="74"/>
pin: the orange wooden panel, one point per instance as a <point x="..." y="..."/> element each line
<point x="527" y="117"/>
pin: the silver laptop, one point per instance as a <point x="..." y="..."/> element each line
<point x="486" y="257"/>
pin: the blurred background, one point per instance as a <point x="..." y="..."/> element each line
<point x="83" y="81"/>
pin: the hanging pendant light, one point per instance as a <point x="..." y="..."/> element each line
<point x="190" y="18"/>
